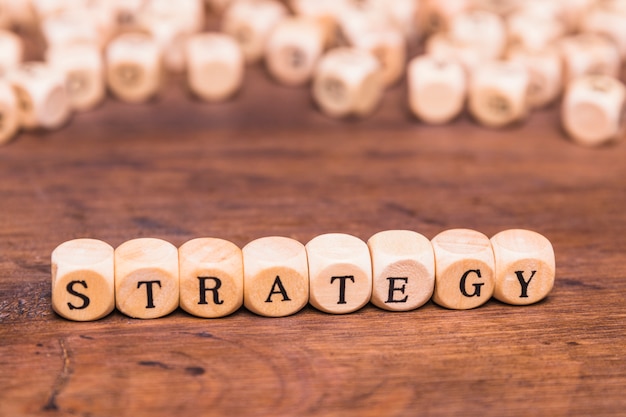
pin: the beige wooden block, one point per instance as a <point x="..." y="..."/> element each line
<point x="464" y="265"/>
<point x="403" y="270"/>
<point x="325" y="12"/>
<point x="588" y="53"/>
<point x="573" y="12"/>
<point x="498" y="93"/>
<point x="41" y="95"/>
<point x="211" y="277"/>
<point x="389" y="47"/>
<point x="70" y="27"/>
<point x="340" y="273"/>
<point x="592" y="109"/>
<point x="133" y="67"/>
<point x="533" y="33"/>
<point x="348" y="83"/>
<point x="356" y="22"/>
<point x="84" y="73"/>
<point x="83" y="287"/>
<point x="481" y="30"/>
<point x="9" y="112"/>
<point x="46" y="8"/>
<point x="441" y="46"/>
<point x="525" y="266"/>
<point x="605" y="20"/>
<point x="499" y="7"/>
<point x="146" y="278"/>
<point x="436" y="15"/>
<point x="251" y="22"/>
<point x="11" y="51"/>
<point x="276" y="276"/>
<point x="170" y="23"/>
<point x="436" y="88"/>
<point x="545" y="73"/>
<point x="293" y="50"/>
<point x="126" y="14"/>
<point x="215" y="66"/>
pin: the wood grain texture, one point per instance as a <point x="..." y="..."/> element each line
<point x="266" y="163"/>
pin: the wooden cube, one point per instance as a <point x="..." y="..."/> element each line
<point x="442" y="47"/>
<point x="348" y="82"/>
<point x="276" y="276"/>
<point x="211" y="277"/>
<point x="437" y="89"/>
<point x="170" y="24"/>
<point x="146" y="278"/>
<point x="133" y="67"/>
<point x="609" y="22"/>
<point x="83" y="283"/>
<point x="545" y="73"/>
<point x="498" y="93"/>
<point x="436" y="15"/>
<point x="84" y="73"/>
<point x="293" y="50"/>
<point x="215" y="66"/>
<point x="325" y="12"/>
<point x="251" y="22"/>
<point x="403" y="270"/>
<point x="9" y="112"/>
<point x="340" y="273"/>
<point x="464" y="269"/>
<point x="11" y="51"/>
<point x="481" y="30"/>
<point x="525" y="266"/>
<point x="533" y="33"/>
<point x="389" y="47"/>
<point x="41" y="95"/>
<point x="588" y="54"/>
<point x="70" y="27"/>
<point x="592" y="109"/>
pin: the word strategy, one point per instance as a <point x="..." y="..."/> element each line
<point x="396" y="270"/>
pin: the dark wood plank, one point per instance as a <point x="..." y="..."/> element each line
<point x="266" y="163"/>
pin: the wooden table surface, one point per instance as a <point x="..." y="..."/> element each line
<point x="267" y="163"/>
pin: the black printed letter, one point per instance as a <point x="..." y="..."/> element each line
<point x="524" y="284"/>
<point x="281" y="290"/>
<point x="476" y="286"/>
<point x="149" y="291"/>
<point x="70" y="289"/>
<point x="204" y="289"/>
<point x="393" y="288"/>
<point x="342" y="287"/>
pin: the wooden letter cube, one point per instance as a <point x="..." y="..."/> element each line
<point x="525" y="266"/>
<point x="215" y="66"/>
<point x="482" y="30"/>
<point x="498" y="93"/>
<point x="442" y="47"/>
<point x="389" y="47"/>
<point x="84" y="73"/>
<point x="11" y="51"/>
<point x="403" y="270"/>
<point x="41" y="95"/>
<point x="464" y="265"/>
<point x="437" y="89"/>
<point x="133" y="67"/>
<point x="589" y="54"/>
<point x="211" y="277"/>
<point x="348" y="82"/>
<point x="592" y="109"/>
<point x="545" y="73"/>
<point x="276" y="276"/>
<point x="146" y="278"/>
<point x="293" y="50"/>
<point x="83" y="286"/>
<point x="340" y="273"/>
<point x="251" y="22"/>
<point x="9" y="112"/>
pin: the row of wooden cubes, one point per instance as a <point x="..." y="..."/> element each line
<point x="397" y="270"/>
